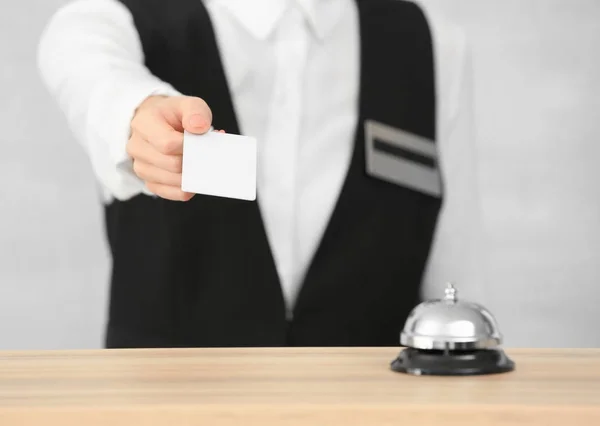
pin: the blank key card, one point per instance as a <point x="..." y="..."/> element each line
<point x="219" y="164"/>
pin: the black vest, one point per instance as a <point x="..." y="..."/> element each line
<point x="201" y="273"/>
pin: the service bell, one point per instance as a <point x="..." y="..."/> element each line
<point x="451" y="337"/>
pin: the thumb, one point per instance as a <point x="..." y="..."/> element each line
<point x="195" y="115"/>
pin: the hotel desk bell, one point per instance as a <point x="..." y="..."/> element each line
<point x="451" y="337"/>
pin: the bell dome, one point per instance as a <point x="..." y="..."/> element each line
<point x="450" y="324"/>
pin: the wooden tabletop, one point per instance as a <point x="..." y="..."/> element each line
<point x="282" y="386"/>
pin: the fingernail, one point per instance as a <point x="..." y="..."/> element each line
<point x="197" y="121"/>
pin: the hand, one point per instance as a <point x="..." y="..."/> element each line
<point x="156" y="142"/>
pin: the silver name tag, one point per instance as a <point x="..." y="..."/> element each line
<point x="402" y="158"/>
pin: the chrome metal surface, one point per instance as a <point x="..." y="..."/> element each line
<point x="450" y="324"/>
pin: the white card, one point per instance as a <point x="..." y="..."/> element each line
<point x="219" y="164"/>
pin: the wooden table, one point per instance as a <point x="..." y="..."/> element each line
<point x="285" y="386"/>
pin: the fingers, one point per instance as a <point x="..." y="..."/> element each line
<point x="162" y="122"/>
<point x="156" y="143"/>
<point x="169" y="142"/>
<point x="194" y="114"/>
<point x="143" y="151"/>
<point x="161" y="173"/>
<point x="169" y="192"/>
<point x="153" y="174"/>
<point x="155" y="129"/>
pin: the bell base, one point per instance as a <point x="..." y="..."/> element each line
<point x="452" y="363"/>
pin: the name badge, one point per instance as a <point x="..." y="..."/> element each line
<point x="402" y="158"/>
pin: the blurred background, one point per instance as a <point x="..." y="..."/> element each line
<point x="537" y="86"/>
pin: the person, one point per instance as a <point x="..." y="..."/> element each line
<point x="366" y="178"/>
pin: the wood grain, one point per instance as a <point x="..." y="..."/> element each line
<point x="289" y="386"/>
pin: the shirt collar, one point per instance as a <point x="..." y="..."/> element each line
<point x="261" y="17"/>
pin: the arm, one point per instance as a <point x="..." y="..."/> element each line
<point x="91" y="60"/>
<point x="458" y="251"/>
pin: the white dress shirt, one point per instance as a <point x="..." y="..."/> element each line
<point x="293" y="71"/>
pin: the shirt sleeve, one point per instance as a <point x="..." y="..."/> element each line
<point x="91" y="60"/>
<point x="458" y="253"/>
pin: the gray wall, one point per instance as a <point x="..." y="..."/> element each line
<point x="537" y="71"/>
<point x="53" y="260"/>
